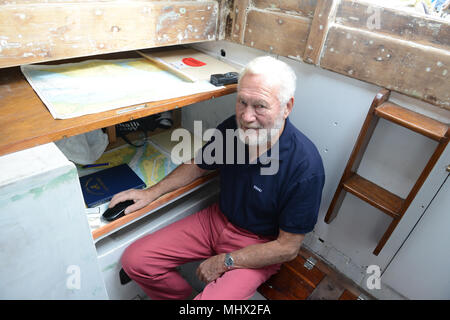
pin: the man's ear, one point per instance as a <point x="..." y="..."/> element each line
<point x="289" y="106"/>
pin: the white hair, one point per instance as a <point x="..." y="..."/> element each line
<point x="276" y="73"/>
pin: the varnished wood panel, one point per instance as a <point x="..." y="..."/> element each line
<point x="347" y="295"/>
<point x="34" y="32"/>
<point x="271" y="293"/>
<point x="295" y="282"/>
<point x="332" y="273"/>
<point x="311" y="276"/>
<point x="287" y="285"/>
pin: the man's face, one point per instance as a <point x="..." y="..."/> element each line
<point x="257" y="107"/>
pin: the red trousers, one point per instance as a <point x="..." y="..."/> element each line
<point x="151" y="260"/>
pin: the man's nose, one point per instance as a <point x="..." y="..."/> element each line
<point x="248" y="115"/>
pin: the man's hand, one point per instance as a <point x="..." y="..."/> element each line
<point x="180" y="177"/>
<point x="212" y="268"/>
<point x="141" y="198"/>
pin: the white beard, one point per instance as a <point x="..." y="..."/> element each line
<point x="259" y="136"/>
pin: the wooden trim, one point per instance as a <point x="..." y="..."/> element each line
<point x="116" y="224"/>
<point x="414" y="121"/>
<point x="111" y="132"/>
<point x="373" y="194"/>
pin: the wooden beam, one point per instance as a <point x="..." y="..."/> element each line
<point x="239" y="16"/>
<point x="417" y="71"/>
<point x="33" y="32"/>
<point x="296" y="7"/>
<point x="319" y="29"/>
<point x="225" y="22"/>
<point x="405" y="25"/>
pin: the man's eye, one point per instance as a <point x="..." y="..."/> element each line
<point x="242" y="102"/>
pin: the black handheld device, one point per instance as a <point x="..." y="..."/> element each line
<point x="220" y="79"/>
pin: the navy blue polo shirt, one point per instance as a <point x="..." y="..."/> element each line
<point x="263" y="204"/>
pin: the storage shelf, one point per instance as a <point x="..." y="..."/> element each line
<point x="167" y="198"/>
<point x="26" y="121"/>
<point x="412" y="120"/>
<point x="374" y="195"/>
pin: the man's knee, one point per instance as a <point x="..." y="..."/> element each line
<point x="139" y="260"/>
<point x="132" y="261"/>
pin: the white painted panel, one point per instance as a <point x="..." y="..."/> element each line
<point x="421" y="269"/>
<point x="46" y="248"/>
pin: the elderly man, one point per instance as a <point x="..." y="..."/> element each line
<point x="260" y="220"/>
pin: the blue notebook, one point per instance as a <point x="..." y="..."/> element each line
<point x="101" y="186"/>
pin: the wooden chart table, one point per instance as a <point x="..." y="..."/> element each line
<point x="26" y="122"/>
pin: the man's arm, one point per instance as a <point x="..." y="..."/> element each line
<point x="181" y="176"/>
<point x="284" y="248"/>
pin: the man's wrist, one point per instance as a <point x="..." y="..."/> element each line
<point x="152" y="193"/>
<point x="228" y="261"/>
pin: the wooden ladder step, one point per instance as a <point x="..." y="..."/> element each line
<point x="412" y="120"/>
<point x="368" y="191"/>
<point x="375" y="195"/>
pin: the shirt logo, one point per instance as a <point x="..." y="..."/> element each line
<point x="257" y="189"/>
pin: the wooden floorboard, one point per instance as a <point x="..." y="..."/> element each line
<point x="295" y="281"/>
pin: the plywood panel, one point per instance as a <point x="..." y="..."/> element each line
<point x="36" y="32"/>
<point x="418" y="71"/>
<point x="277" y="33"/>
